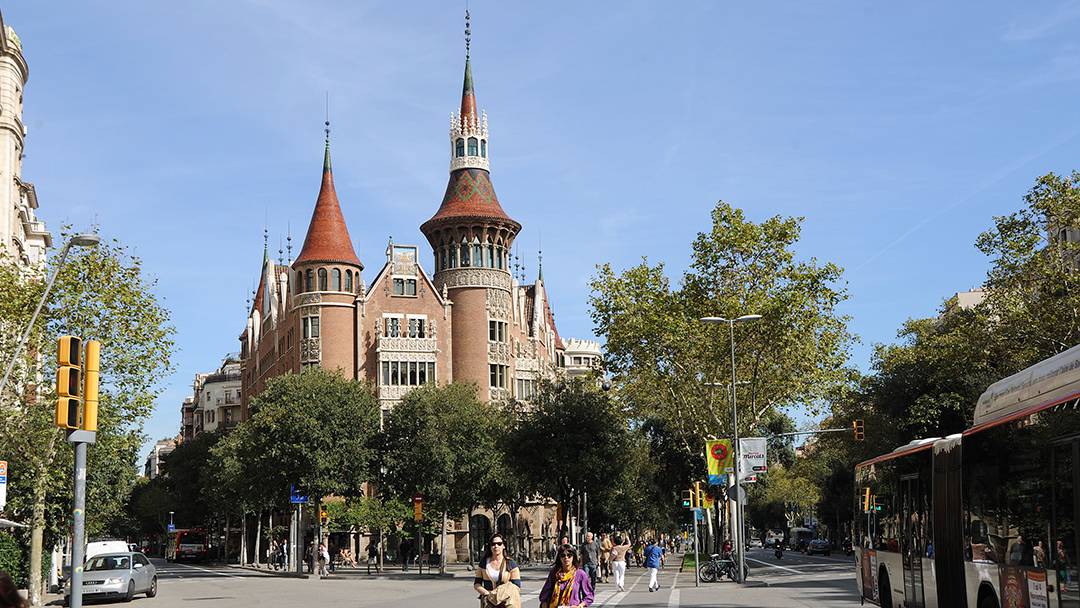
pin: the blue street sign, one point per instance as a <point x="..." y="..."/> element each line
<point x="699" y="514"/>
<point x="172" y="527"/>
<point x="718" y="480"/>
<point x="296" y="498"/>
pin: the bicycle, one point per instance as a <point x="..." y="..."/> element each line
<point x="718" y="567"/>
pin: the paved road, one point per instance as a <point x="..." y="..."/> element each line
<point x="796" y="580"/>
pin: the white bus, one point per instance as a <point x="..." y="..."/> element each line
<point x="985" y="518"/>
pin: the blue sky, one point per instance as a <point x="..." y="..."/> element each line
<point x="897" y="129"/>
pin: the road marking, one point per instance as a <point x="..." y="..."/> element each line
<point x="214" y="572"/>
<point x="768" y="565"/>
<point x="673" y="601"/>
<point x="619" y="596"/>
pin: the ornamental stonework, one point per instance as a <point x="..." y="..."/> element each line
<point x="499" y="394"/>
<point x="310" y="350"/>
<point x="474" y="277"/>
<point x="527" y="365"/>
<point x="498" y="352"/>
<point x="498" y="304"/>
<point x="394" y="392"/>
<point x="407" y="345"/>
<point x="307" y="299"/>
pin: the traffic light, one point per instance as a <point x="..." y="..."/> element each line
<point x="324" y="516"/>
<point x="91" y="375"/>
<point x="699" y="496"/>
<point x="688" y="499"/>
<point x="68" y="381"/>
<point x="857" y="425"/>
<point x="877" y="507"/>
<point x="866" y="501"/>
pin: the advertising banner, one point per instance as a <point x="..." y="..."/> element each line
<point x="719" y="458"/>
<point x="752" y="457"/>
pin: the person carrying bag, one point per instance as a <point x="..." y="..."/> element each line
<point x="498" y="579"/>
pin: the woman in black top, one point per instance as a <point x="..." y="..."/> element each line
<point x="495" y="567"/>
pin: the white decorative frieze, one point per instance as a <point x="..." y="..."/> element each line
<point x="527" y="365"/>
<point x="307" y="299"/>
<point x="407" y="345"/>
<point x="454" y="278"/>
<point x="310" y="350"/>
<point x="394" y="392"/>
<point x="499" y="394"/>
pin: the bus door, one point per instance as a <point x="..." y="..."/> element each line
<point x="912" y="540"/>
<point x="1063" y="540"/>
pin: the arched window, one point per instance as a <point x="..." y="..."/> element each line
<point x="335" y="279"/>
<point x="465" y="261"/>
<point x="299" y="280"/>
<point x="309" y="284"/>
<point x="491" y="256"/>
<point x="483" y="148"/>
<point x="322" y="279"/>
<point x="442" y="256"/>
<point x="460" y="147"/>
<point x="499" y="258"/>
<point x="478" y="255"/>
<point x="453" y="257"/>
<point x="472" y="147"/>
<point x="348" y="281"/>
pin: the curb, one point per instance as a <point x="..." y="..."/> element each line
<point x="277" y="573"/>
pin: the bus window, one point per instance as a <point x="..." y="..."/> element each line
<point x="1063" y="557"/>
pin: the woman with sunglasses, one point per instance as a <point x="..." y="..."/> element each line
<point x="495" y="569"/>
<point x="567" y="584"/>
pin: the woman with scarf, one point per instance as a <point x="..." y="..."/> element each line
<point x="568" y="583"/>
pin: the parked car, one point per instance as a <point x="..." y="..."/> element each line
<point x="101" y="547"/>
<point x="818" y="545"/>
<point x="117" y="576"/>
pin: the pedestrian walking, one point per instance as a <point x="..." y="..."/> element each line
<point x="373" y="556"/>
<point x="590" y="557"/>
<point x="567" y="584"/>
<point x="498" y="579"/>
<point x="324" y="559"/>
<point x="618" y="561"/>
<point x="654" y="560"/>
<point x="605" y="557"/>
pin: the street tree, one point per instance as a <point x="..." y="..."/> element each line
<point x="101" y="294"/>
<point x="440" y="443"/>
<point x="667" y="364"/>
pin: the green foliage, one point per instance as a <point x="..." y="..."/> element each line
<point x="663" y="357"/>
<point x="576" y="438"/>
<point x="441" y="442"/>
<point x="315" y="430"/>
<point x="11" y="558"/>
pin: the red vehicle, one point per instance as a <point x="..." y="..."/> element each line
<point x="193" y="544"/>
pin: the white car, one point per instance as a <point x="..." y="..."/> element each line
<point x="117" y="576"/>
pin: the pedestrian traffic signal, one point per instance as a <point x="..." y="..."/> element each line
<point x="91" y="380"/>
<point x="68" y="381"/>
<point x="688" y="499"/>
<point x="857" y="425"/>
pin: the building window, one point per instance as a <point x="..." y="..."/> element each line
<point x="393" y="327"/>
<point x="416" y="328"/>
<point x="526" y="388"/>
<point x="407" y="373"/>
<point x="310" y="327"/>
<point x="404" y="287"/>
<point x="497" y="375"/>
<point x="322" y="279"/>
<point x="453" y="256"/>
<point x="473" y="151"/>
<point x="497" y="331"/>
<point x="483" y="148"/>
<point x="308" y="283"/>
<point x="299" y="280"/>
<point x="348" y="281"/>
<point x="460" y="147"/>
<point x="478" y="255"/>
<point x="465" y="256"/>
<point x="335" y="279"/>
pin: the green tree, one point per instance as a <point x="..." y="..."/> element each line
<point x="100" y="294"/>
<point x="441" y="442"/>
<point x="665" y="361"/>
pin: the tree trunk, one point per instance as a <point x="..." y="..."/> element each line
<point x="37" y="531"/>
<point x="381" y="547"/>
<point x="468" y="536"/>
<point x="258" y="537"/>
<point x="243" y="539"/>
<point x="442" y="546"/>
<point x="225" y="549"/>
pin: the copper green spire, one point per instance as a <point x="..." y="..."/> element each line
<point x="326" y="155"/>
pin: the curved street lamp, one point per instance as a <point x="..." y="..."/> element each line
<point x="86" y="239"/>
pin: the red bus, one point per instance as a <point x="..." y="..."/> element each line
<point x="192" y="544"/>
<point x="986" y="518"/>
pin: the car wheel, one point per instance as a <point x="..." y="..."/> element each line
<point x="152" y="591"/>
<point x="130" y="595"/>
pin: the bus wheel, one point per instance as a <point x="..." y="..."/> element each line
<point x="885" y="590"/>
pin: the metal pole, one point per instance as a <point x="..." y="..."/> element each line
<point x="78" y="548"/>
<point x="33" y="318"/>
<point x="697" y="566"/>
<point x="735" y="449"/>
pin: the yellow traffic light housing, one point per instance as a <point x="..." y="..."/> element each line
<point x="699" y="496"/>
<point x="859" y="428"/>
<point x="91" y="380"/>
<point x="68" y="382"/>
<point x="866" y="501"/>
<point x="324" y="516"/>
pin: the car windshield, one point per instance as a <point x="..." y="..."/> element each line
<point x="108" y="562"/>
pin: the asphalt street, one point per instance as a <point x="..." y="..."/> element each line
<point x="795" y="580"/>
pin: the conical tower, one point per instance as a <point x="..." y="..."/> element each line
<point x="326" y="276"/>
<point x="471" y="237"/>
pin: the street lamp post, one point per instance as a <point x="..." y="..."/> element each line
<point x="86" y="239"/>
<point x="738" y="528"/>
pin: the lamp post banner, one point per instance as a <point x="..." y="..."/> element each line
<point x="719" y="458"/>
<point x="752" y="460"/>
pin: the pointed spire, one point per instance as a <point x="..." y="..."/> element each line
<point x="468" y="95"/>
<point x="266" y="245"/>
<point x="327" y="237"/>
<point x="288" y="240"/>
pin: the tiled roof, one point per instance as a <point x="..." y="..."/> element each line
<point x="327" y="237"/>
<point x="470" y="194"/>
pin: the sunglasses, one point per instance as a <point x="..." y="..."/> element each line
<point x="566" y="555"/>
<point x="497" y="543"/>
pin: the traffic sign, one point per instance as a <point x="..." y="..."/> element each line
<point x="171" y="527"/>
<point x="3" y="484"/>
<point x="297" y="498"/>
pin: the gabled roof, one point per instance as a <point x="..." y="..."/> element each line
<point x="327" y="237"/>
